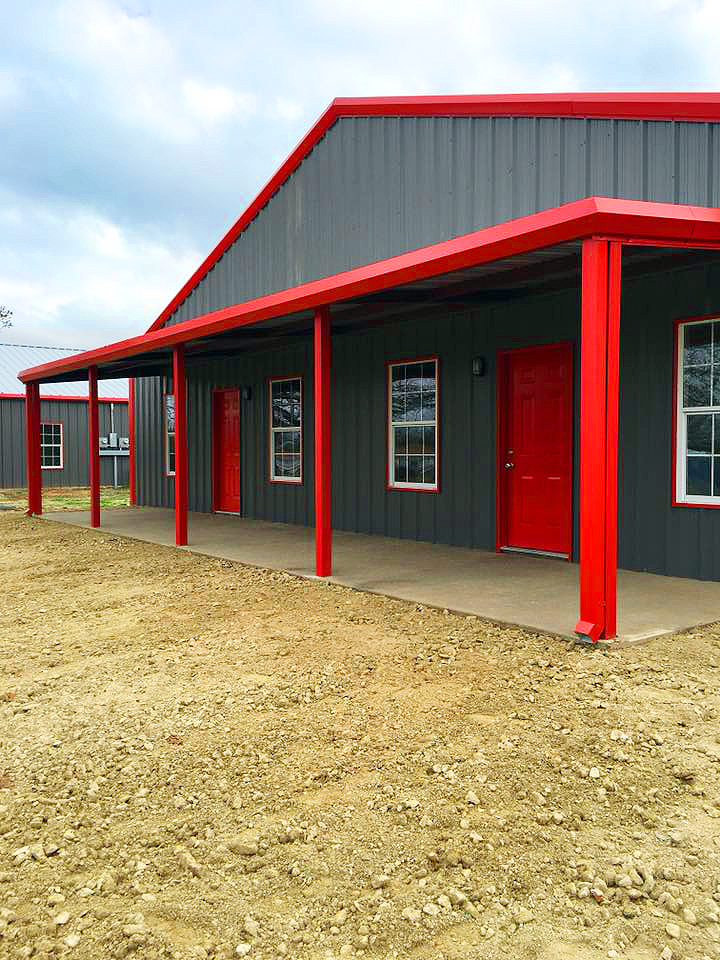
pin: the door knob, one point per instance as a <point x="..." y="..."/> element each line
<point x="509" y="466"/>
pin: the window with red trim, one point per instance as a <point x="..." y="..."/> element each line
<point x="286" y="424"/>
<point x="51" y="446"/>
<point x="697" y="479"/>
<point x="412" y="433"/>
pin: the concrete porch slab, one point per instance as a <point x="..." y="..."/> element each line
<point x="527" y="591"/>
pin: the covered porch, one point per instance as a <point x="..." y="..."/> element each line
<point x="538" y="593"/>
<point x="584" y="246"/>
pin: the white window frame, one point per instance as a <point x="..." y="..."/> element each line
<point x="682" y="498"/>
<point x="274" y="478"/>
<point x="62" y="446"/>
<point x="393" y="484"/>
<point x="167" y="434"/>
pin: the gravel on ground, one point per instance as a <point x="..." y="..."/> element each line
<point x="200" y="759"/>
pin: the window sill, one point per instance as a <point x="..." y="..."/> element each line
<point x="698" y="504"/>
<point x="394" y="488"/>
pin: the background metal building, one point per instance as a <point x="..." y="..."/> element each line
<point x="64" y="404"/>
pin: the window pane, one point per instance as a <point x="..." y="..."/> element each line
<point x="415" y="469"/>
<point x="278" y="466"/>
<point x="413" y="377"/>
<point x="398" y="408"/>
<point x="428" y="439"/>
<point x="293" y="466"/>
<point x="697" y="344"/>
<point x="696" y="387"/>
<point x="716" y="383"/>
<point x="398" y="379"/>
<point x="415" y="439"/>
<point x="428" y="469"/>
<point x="277" y="442"/>
<point x="400" y="469"/>
<point x="428" y="372"/>
<point x="698" y="476"/>
<point x="428" y="407"/>
<point x="413" y="410"/>
<point x="291" y="441"/>
<point x="275" y="388"/>
<point x="400" y="439"/>
<point x="716" y="477"/>
<point x="295" y="414"/>
<point x="699" y="432"/>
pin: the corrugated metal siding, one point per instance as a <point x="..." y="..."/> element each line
<point x="377" y="187"/>
<point x="73" y="417"/>
<point x="654" y="536"/>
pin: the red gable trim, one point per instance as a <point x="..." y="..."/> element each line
<point x="634" y="220"/>
<point x="689" y="107"/>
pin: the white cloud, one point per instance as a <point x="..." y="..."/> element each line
<point x="89" y="281"/>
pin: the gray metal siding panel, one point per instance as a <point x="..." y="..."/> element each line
<point x="153" y="488"/>
<point x="12" y="443"/>
<point x="376" y="187"/>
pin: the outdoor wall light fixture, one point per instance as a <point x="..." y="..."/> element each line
<point x="479" y="366"/>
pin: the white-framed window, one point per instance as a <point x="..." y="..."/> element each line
<point x="697" y="455"/>
<point x="169" y="415"/>
<point x="286" y="429"/>
<point x="51" y="446"/>
<point x="413" y="425"/>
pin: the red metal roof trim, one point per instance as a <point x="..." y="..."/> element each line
<point x="663" y="223"/>
<point x="688" y="107"/>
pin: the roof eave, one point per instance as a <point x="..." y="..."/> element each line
<point x="633" y="220"/>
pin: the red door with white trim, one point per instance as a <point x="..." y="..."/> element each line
<point x="536" y="455"/>
<point x="227" y="452"/>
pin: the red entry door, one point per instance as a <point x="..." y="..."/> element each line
<point x="536" y="458"/>
<point x="226" y="451"/>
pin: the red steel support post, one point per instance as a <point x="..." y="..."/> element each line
<point x="32" y="435"/>
<point x="599" y="389"/>
<point x="323" y="520"/>
<point x="94" y="446"/>
<point x="131" y="442"/>
<point x="181" y="458"/>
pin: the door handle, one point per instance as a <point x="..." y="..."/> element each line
<point x="509" y="466"/>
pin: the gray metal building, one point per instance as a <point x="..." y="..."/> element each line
<point x="467" y="257"/>
<point x="63" y="414"/>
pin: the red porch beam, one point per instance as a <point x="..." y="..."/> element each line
<point x="321" y="380"/>
<point x="32" y="446"/>
<point x="94" y="446"/>
<point x="181" y="459"/>
<point x="599" y="389"/>
<point x="131" y="442"/>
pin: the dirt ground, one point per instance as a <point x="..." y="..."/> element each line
<point x="200" y="759"/>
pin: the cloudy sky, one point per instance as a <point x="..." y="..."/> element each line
<point x="134" y="132"/>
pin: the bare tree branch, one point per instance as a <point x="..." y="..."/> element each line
<point x="5" y="314"/>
